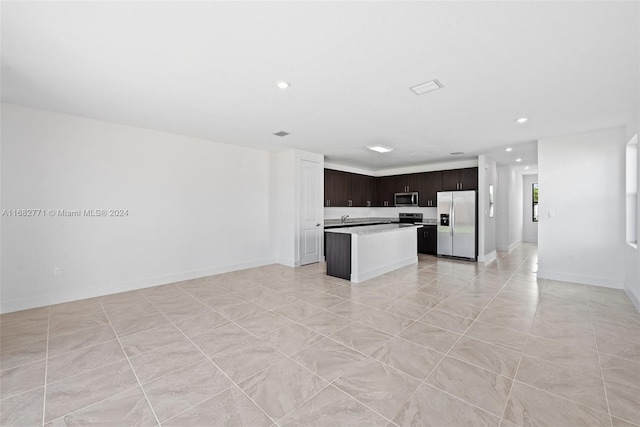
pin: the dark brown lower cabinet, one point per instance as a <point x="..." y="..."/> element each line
<point x="338" y="255"/>
<point x="427" y="240"/>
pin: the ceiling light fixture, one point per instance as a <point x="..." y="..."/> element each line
<point x="508" y="149"/>
<point x="282" y="84"/>
<point x="518" y="159"/>
<point x="282" y="133"/>
<point x="457" y="153"/>
<point x="522" y="120"/>
<point x="427" y="87"/>
<point x="527" y="167"/>
<point x="380" y="148"/>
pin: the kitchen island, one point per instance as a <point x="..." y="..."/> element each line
<point x="360" y="253"/>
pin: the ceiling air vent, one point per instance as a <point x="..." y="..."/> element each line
<point x="457" y="153"/>
<point x="423" y="88"/>
<point x="281" y="133"/>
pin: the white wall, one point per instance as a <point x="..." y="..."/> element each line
<point x="502" y="209"/>
<point x="509" y="209"/>
<point x="487" y="176"/>
<point x="515" y="208"/>
<point x="632" y="255"/>
<point x="529" y="228"/>
<point x="581" y="207"/>
<point x="284" y="210"/>
<point x="196" y="207"/>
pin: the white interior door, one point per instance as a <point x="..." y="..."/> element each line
<point x="310" y="212"/>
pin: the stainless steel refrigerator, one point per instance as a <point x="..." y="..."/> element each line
<point x="457" y="224"/>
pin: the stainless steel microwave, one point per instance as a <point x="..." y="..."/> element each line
<point x="406" y="199"/>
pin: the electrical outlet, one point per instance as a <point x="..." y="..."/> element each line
<point x="574" y="256"/>
<point x="57" y="272"/>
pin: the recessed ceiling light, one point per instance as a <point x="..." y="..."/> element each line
<point x="283" y="84"/>
<point x="518" y="159"/>
<point x="423" y="88"/>
<point x="508" y="149"/>
<point x="527" y="167"/>
<point x="522" y="120"/>
<point x="282" y="133"/>
<point x="380" y="148"/>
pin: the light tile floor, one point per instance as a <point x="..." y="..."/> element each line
<point x="440" y="343"/>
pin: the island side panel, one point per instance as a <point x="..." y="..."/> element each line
<point x="378" y="253"/>
<point x="338" y="255"/>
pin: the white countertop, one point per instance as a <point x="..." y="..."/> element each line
<point x="370" y="229"/>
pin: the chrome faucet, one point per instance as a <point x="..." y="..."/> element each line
<point x="343" y="218"/>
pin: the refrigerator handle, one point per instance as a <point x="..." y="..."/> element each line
<point x="452" y="219"/>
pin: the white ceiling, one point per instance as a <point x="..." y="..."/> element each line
<point x="209" y="70"/>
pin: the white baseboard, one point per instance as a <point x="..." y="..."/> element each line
<point x="514" y="245"/>
<point x="357" y="278"/>
<point x="585" y="280"/>
<point x="114" y="288"/>
<point x="634" y="299"/>
<point x="509" y="248"/>
<point x="286" y="261"/>
<point x="487" y="258"/>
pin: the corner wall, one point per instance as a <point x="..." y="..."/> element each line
<point x="581" y="207"/>
<point x="195" y="208"/>
<point x="632" y="255"/>
<point x="509" y="209"/>
<point x="487" y="176"/>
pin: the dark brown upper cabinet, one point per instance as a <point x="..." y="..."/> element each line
<point x="362" y="190"/>
<point x="335" y="188"/>
<point x="460" y="179"/>
<point x="346" y="189"/>
<point x="429" y="185"/>
<point x="385" y="189"/>
<point x="406" y="183"/>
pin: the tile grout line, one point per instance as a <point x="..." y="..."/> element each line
<point x="444" y="355"/>
<point x="329" y="383"/>
<point x="604" y="386"/>
<point x="474" y="321"/>
<point x="46" y="366"/>
<point x="515" y="374"/>
<point x="233" y="385"/>
<point x="557" y="396"/>
<point x="130" y="365"/>
<point x="259" y="337"/>
<point x="96" y="403"/>
<point x="208" y="358"/>
<point x="422" y="382"/>
<point x="366" y="356"/>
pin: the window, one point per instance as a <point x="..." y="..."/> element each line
<point x="631" y="190"/>
<point x="534" y="201"/>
